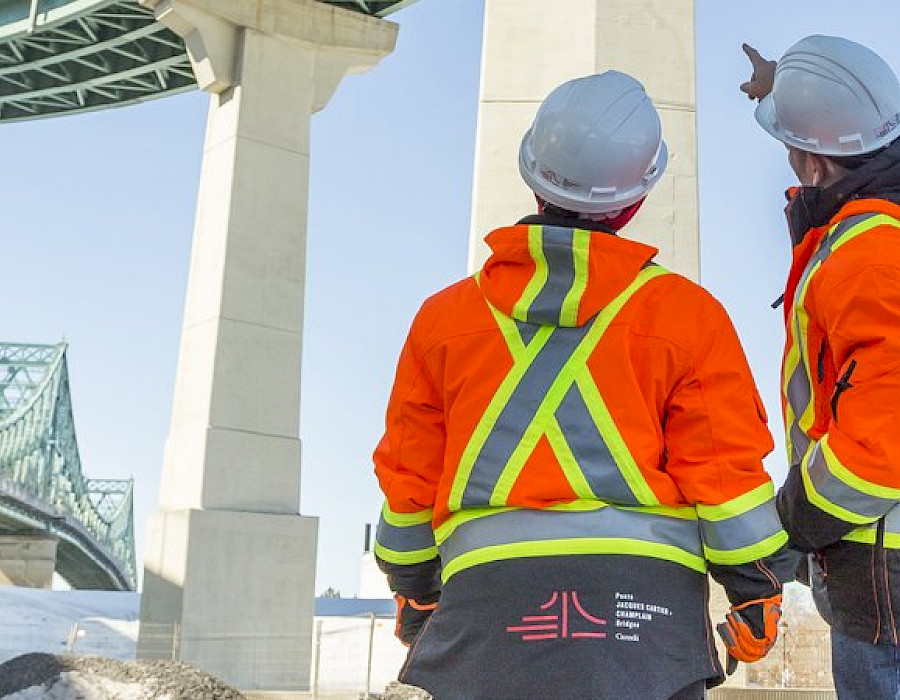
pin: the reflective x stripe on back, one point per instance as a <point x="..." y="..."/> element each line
<point x="549" y="392"/>
<point x="798" y="366"/>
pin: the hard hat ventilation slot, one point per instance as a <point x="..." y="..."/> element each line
<point x="853" y="143"/>
<point x="811" y="141"/>
<point x="602" y="192"/>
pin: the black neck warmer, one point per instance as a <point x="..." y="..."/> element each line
<point x="565" y="222"/>
<point x="812" y="207"/>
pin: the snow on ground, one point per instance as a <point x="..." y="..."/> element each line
<point x="34" y="620"/>
<point x="78" y="685"/>
<point x="40" y="621"/>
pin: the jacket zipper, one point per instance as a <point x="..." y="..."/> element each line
<point x="841" y="386"/>
<point x="820" y="363"/>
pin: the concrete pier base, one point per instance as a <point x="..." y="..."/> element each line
<point x="236" y="601"/>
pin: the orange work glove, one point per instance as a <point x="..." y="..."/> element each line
<point x="738" y="633"/>
<point x="411" y="617"/>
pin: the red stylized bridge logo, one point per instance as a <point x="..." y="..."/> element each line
<point x="559" y="626"/>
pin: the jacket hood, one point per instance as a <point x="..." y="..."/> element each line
<point x="548" y="273"/>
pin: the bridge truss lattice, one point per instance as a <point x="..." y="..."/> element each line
<point x="42" y="485"/>
<point x="68" y="56"/>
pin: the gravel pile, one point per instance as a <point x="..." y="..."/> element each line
<point x="399" y="691"/>
<point x="48" y="677"/>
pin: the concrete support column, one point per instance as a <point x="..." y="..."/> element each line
<point x="27" y="561"/>
<point x="230" y="562"/>
<point x="530" y="47"/>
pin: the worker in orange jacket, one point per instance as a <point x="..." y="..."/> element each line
<point x="573" y="440"/>
<point x="836" y="106"/>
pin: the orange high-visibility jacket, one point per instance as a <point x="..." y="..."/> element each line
<point x="574" y="398"/>
<point x="841" y="397"/>
<point x="841" y="369"/>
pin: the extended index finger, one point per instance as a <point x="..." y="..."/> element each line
<point x="754" y="55"/>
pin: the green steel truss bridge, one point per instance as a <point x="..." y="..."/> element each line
<point x="69" y="56"/>
<point x="42" y="486"/>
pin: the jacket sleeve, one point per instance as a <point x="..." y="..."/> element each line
<point x="716" y="436"/>
<point x="851" y="478"/>
<point x="408" y="463"/>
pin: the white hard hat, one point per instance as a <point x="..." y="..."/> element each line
<point x="832" y="96"/>
<point x="595" y="146"/>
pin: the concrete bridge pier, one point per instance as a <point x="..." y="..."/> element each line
<point x="230" y="566"/>
<point x="27" y="561"/>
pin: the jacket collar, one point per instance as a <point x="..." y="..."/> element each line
<point x="547" y="274"/>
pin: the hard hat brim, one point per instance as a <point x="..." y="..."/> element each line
<point x="767" y="118"/>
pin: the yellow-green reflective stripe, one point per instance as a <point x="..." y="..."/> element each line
<point x="561" y="384"/>
<point x="808" y="417"/>
<point x="790" y="366"/>
<point x="868" y="535"/>
<point x="492" y="413"/>
<point x="587" y="545"/>
<point x="739" y="505"/>
<point x="747" y="554"/>
<point x="851" y="479"/>
<point x="866" y="225"/>
<point x="613" y="439"/>
<point x="406" y="519"/>
<point x="824" y="504"/>
<point x="510" y="333"/>
<point x="683" y="512"/>
<point x="581" y="241"/>
<point x="539" y="278"/>
<point x="464" y="516"/>
<point x="417" y="556"/>
<point x="862" y="535"/>
<point x="567" y="461"/>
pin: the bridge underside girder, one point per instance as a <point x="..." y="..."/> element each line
<point x="69" y="56"/>
<point x="115" y="54"/>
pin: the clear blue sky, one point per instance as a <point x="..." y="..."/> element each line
<point x="96" y="214"/>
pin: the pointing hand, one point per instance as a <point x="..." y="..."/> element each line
<point x="760" y="83"/>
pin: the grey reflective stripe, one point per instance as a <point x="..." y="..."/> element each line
<point x="410" y="538"/>
<point x="512" y="526"/>
<point x="799" y="441"/>
<point x="892" y="520"/>
<point x="527" y="331"/>
<point x="593" y="456"/>
<point x="744" y="530"/>
<point x="841" y="494"/>
<point x="560" y="257"/>
<point x="518" y="413"/>
<point x="799" y="395"/>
